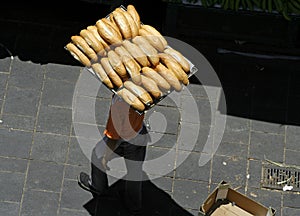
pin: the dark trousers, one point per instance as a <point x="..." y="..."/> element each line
<point x="134" y="152"/>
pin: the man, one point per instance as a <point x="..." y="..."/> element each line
<point x="126" y="136"/>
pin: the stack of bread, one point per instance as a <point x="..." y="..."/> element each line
<point x="130" y="57"/>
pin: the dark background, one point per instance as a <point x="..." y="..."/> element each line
<point x="264" y="85"/>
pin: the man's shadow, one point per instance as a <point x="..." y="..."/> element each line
<point x="156" y="202"/>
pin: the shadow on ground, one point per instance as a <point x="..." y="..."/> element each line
<point x="156" y="202"/>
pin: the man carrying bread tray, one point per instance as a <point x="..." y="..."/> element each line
<point x="125" y="136"/>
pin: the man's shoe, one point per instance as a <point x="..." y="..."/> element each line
<point x="84" y="181"/>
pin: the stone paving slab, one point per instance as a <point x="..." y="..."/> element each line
<point x="41" y="153"/>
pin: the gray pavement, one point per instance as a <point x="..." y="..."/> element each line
<point x="41" y="153"/>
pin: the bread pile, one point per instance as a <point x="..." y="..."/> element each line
<point x="130" y="57"/>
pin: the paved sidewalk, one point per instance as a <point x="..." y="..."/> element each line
<point x="45" y="141"/>
<point x="41" y="154"/>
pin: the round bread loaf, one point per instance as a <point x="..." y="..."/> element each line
<point x="114" y="77"/>
<point x="99" y="70"/>
<point x="139" y="91"/>
<point x="161" y="82"/>
<point x="84" y="47"/>
<point x="131" y="99"/>
<point x="78" y="54"/>
<point x="169" y="76"/>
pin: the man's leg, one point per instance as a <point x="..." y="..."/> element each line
<point x="97" y="182"/>
<point x="134" y="157"/>
<point x="99" y="179"/>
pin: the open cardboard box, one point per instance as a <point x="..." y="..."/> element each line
<point x="225" y="201"/>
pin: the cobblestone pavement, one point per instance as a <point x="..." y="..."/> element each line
<point x="41" y="154"/>
<point x="45" y="140"/>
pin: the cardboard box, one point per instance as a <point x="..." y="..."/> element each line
<point x="225" y="201"/>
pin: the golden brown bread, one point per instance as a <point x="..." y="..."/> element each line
<point x="84" y="47"/>
<point x="139" y="91"/>
<point x="114" y="77"/>
<point x="112" y="24"/>
<point x="108" y="32"/>
<point x="93" y="42"/>
<point x="132" y="67"/>
<point x="99" y="70"/>
<point x="161" y="82"/>
<point x="136" y="52"/>
<point x="117" y="64"/>
<point x="147" y="48"/>
<point x="94" y="30"/>
<point x="175" y="67"/>
<point x="135" y="15"/>
<point x="155" y="32"/>
<point x="119" y="9"/>
<point x="169" y="76"/>
<point x="153" y="39"/>
<point x="179" y="58"/>
<point x="131" y="99"/>
<point x="78" y="54"/>
<point x="132" y="24"/>
<point x="122" y="23"/>
<point x="111" y="19"/>
<point x="151" y="86"/>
